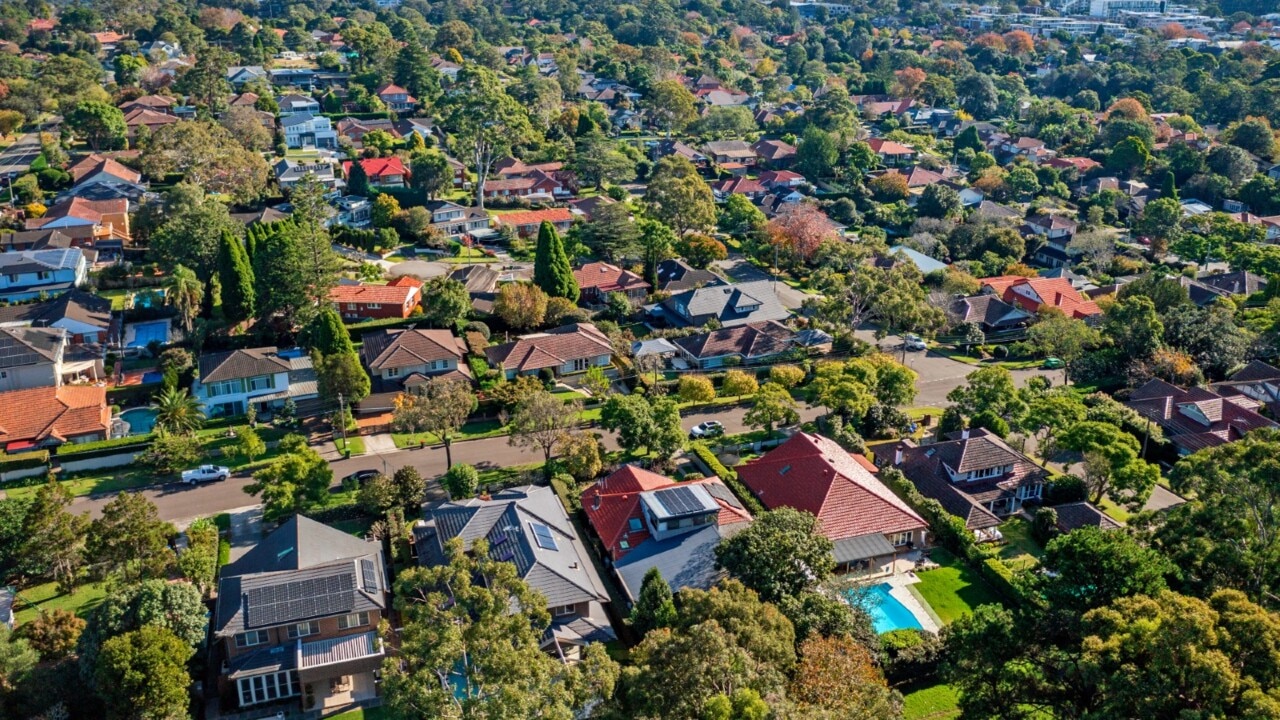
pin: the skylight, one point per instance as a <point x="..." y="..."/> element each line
<point x="542" y="535"/>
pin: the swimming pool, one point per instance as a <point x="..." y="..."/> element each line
<point x="147" y="332"/>
<point x="141" y="420"/>
<point x="886" y="612"/>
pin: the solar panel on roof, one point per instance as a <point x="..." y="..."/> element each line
<point x="678" y="500"/>
<point x="314" y="597"/>
<point x="369" y="574"/>
<point x="542" y="535"/>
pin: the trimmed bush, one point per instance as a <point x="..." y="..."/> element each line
<point x="1001" y="578"/>
<point x="114" y="445"/>
<point x="23" y="461"/>
<point x="1064" y="489"/>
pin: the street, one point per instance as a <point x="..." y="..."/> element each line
<point x="17" y="158"/>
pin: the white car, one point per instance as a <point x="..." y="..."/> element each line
<point x="205" y="473"/>
<point x="710" y="428"/>
<point x="914" y="343"/>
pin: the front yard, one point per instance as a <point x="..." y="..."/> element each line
<point x="953" y="589"/>
<point x="46" y="597"/>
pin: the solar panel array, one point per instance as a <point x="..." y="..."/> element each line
<point x="678" y="501"/>
<point x="370" y="575"/>
<point x="299" y="600"/>
<point x="542" y="535"/>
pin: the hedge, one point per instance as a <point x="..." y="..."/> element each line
<point x="729" y="478"/>
<point x="1001" y="578"/>
<point x="73" y="449"/>
<point x="948" y="530"/>
<point x="24" y="461"/>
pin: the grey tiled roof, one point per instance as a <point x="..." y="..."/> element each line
<point x="755" y="340"/>
<point x="29" y="346"/>
<point x="728" y="304"/>
<point x="235" y="364"/>
<point x="1073" y="516"/>
<point x="686" y="560"/>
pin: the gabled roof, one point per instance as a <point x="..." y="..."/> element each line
<point x="987" y="310"/>
<point x="93" y="164"/>
<point x="407" y="348"/>
<point x="365" y="294"/>
<point x="378" y="167"/>
<point x="75" y="304"/>
<point x="753" y="340"/>
<point x="738" y="186"/>
<point x="1076" y="515"/>
<point x="773" y="149"/>
<point x="1255" y="371"/>
<point x="880" y="146"/>
<point x="21" y="346"/>
<point x="29" y="261"/>
<point x="534" y="217"/>
<point x="613" y="503"/>
<point x="814" y="474"/>
<point x="551" y="349"/>
<point x="607" y="278"/>
<point x="147" y="116"/>
<point x="510" y="521"/>
<point x="676" y="275"/>
<point x="1052" y="292"/>
<point x="58" y="413"/>
<point x="88" y="210"/>
<point x="235" y="364"/>
<point x="1197" y="418"/>
<point x="732" y="304"/>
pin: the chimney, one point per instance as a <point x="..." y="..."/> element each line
<point x="595" y="503"/>
<point x="964" y="434"/>
<point x="897" y="455"/>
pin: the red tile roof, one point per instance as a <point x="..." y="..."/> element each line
<point x="613" y="502"/>
<point x="96" y="163"/>
<point x="880" y="146"/>
<point x="534" y="217"/>
<point x="814" y="474"/>
<point x="64" y="412"/>
<point x="551" y="349"/>
<point x="738" y="186"/>
<point x="147" y="116"/>
<point x="1051" y="292"/>
<point x="396" y="295"/>
<point x="607" y="278"/>
<point x="376" y="168"/>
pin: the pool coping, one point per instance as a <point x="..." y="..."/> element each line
<point x="900" y="589"/>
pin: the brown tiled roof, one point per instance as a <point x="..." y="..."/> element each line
<point x="608" y="278"/>
<point x="372" y="294"/>
<point x="1226" y="419"/>
<point x="759" y="339"/>
<point x="1074" y="516"/>
<point x="146" y="116"/>
<point x="552" y="348"/>
<point x="235" y="364"/>
<point x="37" y="414"/>
<point x="96" y="163"/>
<point x="1256" y="371"/>
<point x="407" y="348"/>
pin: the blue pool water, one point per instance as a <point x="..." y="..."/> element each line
<point x="147" y="298"/>
<point x="153" y="376"/>
<point x="886" y="612"/>
<point x="144" y="333"/>
<point x="141" y="420"/>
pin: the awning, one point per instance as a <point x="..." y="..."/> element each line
<point x="861" y="547"/>
<point x="19" y="445"/>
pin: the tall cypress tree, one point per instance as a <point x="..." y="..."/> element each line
<point x="236" y="278"/>
<point x="551" y="269"/>
<point x="358" y="180"/>
<point x="1169" y="189"/>
<point x="655" y="608"/>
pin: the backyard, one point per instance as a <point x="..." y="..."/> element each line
<point x="1021" y="551"/>
<point x="953" y="589"/>
<point x="930" y="702"/>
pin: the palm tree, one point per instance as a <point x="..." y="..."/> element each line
<point x="186" y="292"/>
<point x="177" y="412"/>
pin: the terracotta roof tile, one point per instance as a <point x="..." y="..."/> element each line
<point x="63" y="412"/>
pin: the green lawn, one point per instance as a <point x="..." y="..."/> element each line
<point x="1021" y="550"/>
<point x="117" y="296"/>
<point x="360" y="714"/>
<point x="46" y="597"/>
<point x="470" y="431"/>
<point x="954" y="589"/>
<point x="1116" y="512"/>
<point x="930" y="702"/>
<point x="355" y="444"/>
<point x="357" y="526"/>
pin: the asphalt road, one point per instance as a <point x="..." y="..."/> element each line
<point x="17" y="158"/>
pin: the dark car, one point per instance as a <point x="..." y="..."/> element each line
<point x="361" y="476"/>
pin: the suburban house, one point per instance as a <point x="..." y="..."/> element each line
<point x="100" y="178"/>
<point x="396" y="98"/>
<point x="1057" y="229"/>
<point x="141" y="118"/>
<point x="892" y="154"/>
<point x="28" y="274"/>
<point x="730" y="152"/>
<point x="1197" y="418"/>
<point x="598" y="280"/>
<point x="781" y="179"/>
<point x="355" y="129"/>
<point x="32" y="357"/>
<point x="528" y="527"/>
<point x="290" y="172"/>
<point x="1076" y="515"/>
<point x="456" y="221"/>
<point x="91" y="222"/>
<point x="386" y="172"/>
<point x="295" y="104"/>
<point x="38" y="240"/>
<point x="400" y="360"/>
<point x="230" y="381"/>
<point x="563" y="351"/>
<point x="676" y="147"/>
<point x="527" y="222"/>
<point x="751" y="189"/>
<point x="1033" y="293"/>
<point x="645" y="520"/>
<point x="774" y="153"/>
<point x="973" y="474"/>
<point x="538" y="185"/>
<point x="744" y="344"/>
<point x="1207" y="289"/>
<point x="363" y="301"/>
<point x="988" y="312"/>
<point x="675" y="275"/>
<point x="869" y="525"/>
<point x="86" y="318"/>
<point x="306" y="130"/>
<point x="49" y="416"/>
<point x="730" y="304"/>
<point x="238" y="75"/>
<point x="352" y="211"/>
<point x="297" y="619"/>
<point x="1258" y="381"/>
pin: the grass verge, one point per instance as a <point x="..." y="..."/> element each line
<point x="46" y="597"/>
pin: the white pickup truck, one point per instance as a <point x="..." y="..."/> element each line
<point x="205" y="473"/>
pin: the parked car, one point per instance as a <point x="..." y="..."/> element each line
<point x="1053" y="363"/>
<point x="360" y="477"/>
<point x="205" y="473"/>
<point x="914" y="343"/>
<point x="710" y="428"/>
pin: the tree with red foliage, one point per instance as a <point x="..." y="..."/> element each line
<point x="799" y="231"/>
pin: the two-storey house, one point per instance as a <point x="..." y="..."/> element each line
<point x="33" y="357"/>
<point x="290" y="172"/>
<point x="1197" y="418"/>
<point x="974" y="474"/>
<point x="455" y="221"/>
<point x="296" y="622"/>
<point x="364" y="301"/>
<point x="400" y="360"/>
<point x="306" y="130"/>
<point x="598" y="280"/>
<point x="386" y="172"/>
<point x="28" y="274"/>
<point x="86" y="318"/>
<point x="396" y="98"/>
<point x="230" y="381"/>
<point x="528" y="527"/>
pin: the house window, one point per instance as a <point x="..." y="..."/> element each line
<point x="44" y="275"/>
<point x="393" y="372"/>
<point x="262" y="382"/>
<point x="252" y="638"/>
<point x="226" y="387"/>
<point x="374" y="306"/>
<point x="635" y="525"/>
<point x="563" y="610"/>
<point x="581" y="364"/>
<point x="265" y="688"/>
<point x="900" y="539"/>
<point x="624" y="545"/>
<point x="304" y="629"/>
<point x="354" y="620"/>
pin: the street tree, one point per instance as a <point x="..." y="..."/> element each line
<point x="771" y="406"/>
<point x="1066" y="338"/>
<point x="439" y="406"/>
<point x="461" y="481"/>
<point x="737" y="383"/>
<point x="294" y="482"/>
<point x="581" y="455"/>
<point x="540" y="421"/>
<point x="989" y="389"/>
<point x="696" y="389"/>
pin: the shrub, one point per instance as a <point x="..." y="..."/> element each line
<point x="461" y="481"/>
<point x="910" y="654"/>
<point x="1001" y="578"/>
<point x="23" y="461"/>
<point x="1044" y="525"/>
<point x="788" y="376"/>
<point x="1064" y="489"/>
<point x="1001" y="352"/>
<point x="477" y="327"/>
